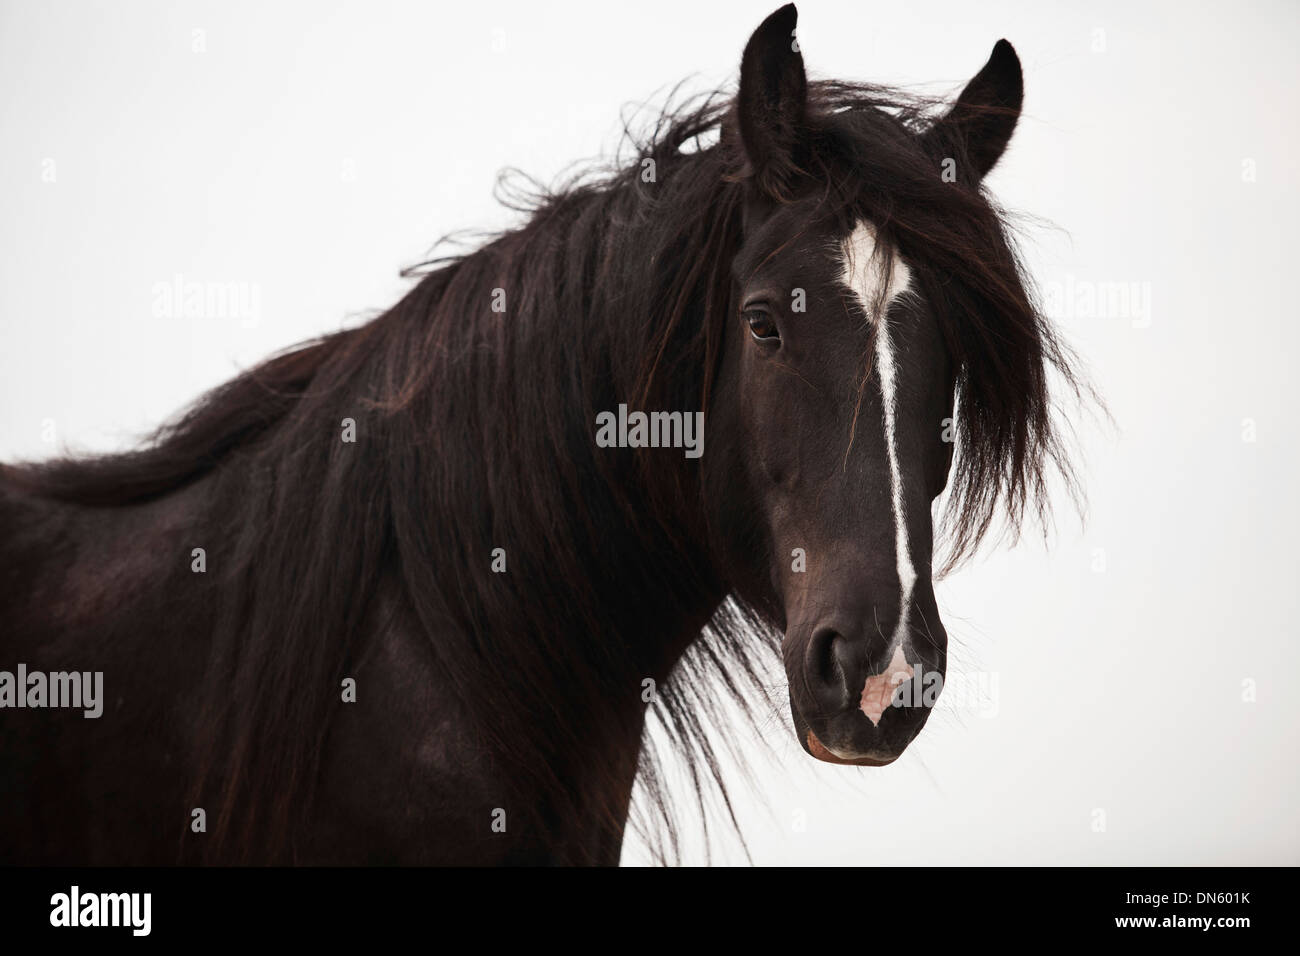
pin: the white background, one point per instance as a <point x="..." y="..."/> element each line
<point x="312" y="149"/>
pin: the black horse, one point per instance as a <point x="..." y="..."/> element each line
<point x="409" y="592"/>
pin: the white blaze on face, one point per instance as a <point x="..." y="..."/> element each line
<point x="877" y="277"/>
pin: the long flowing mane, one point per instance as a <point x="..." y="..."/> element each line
<point x="473" y="432"/>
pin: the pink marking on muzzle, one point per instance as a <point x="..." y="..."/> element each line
<point x="879" y="688"/>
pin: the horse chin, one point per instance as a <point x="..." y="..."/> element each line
<point x="875" y="757"/>
<point x="819" y="750"/>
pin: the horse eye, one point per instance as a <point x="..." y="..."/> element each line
<point x="761" y="325"/>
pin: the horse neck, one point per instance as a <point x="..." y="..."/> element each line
<point x="571" y="574"/>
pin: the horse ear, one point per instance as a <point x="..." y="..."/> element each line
<point x="772" y="103"/>
<point x="985" y="115"/>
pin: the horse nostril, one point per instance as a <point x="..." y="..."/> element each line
<point x="831" y="666"/>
